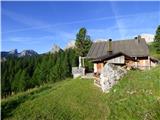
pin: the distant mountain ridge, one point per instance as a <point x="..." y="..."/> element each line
<point x="14" y="53"/>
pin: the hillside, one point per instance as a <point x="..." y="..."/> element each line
<point x="135" y="97"/>
<point x="153" y="52"/>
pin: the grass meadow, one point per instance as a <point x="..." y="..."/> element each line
<point x="135" y="97"/>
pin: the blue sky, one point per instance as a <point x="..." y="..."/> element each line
<point x="39" y="25"/>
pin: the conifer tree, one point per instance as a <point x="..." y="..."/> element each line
<point x="36" y="81"/>
<point x="66" y="66"/>
<point x="157" y="40"/>
<point x="17" y="82"/>
<point x="83" y="42"/>
<point x="157" y="35"/>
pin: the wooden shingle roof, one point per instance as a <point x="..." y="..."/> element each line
<point x="130" y="47"/>
<point x="107" y="57"/>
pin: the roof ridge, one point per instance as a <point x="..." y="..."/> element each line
<point x="114" y="40"/>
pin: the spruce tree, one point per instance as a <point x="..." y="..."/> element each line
<point x="157" y="35"/>
<point x="66" y="66"/>
<point x="36" y="81"/>
<point x="157" y="40"/>
<point x="83" y="42"/>
<point x="17" y="83"/>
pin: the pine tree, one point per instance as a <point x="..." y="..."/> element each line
<point x="73" y="57"/>
<point x="66" y="66"/>
<point x="58" y="67"/>
<point x="52" y="62"/>
<point x="157" y="35"/>
<point x="157" y="40"/>
<point x="5" y="84"/>
<point x="23" y="81"/>
<point x="83" y="42"/>
<point x="17" y="83"/>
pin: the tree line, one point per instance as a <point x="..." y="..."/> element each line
<point x="20" y="74"/>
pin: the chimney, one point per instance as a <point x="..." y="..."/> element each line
<point x="135" y="37"/>
<point x="138" y="39"/>
<point x="109" y="47"/>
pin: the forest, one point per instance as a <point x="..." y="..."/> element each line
<point x="20" y="74"/>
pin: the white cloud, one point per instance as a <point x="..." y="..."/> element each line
<point x="27" y="40"/>
<point x="26" y="20"/>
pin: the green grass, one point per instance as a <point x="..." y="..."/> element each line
<point x="135" y="97"/>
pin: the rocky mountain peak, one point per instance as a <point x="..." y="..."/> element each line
<point x="55" y="48"/>
<point x="14" y="51"/>
<point x="27" y="53"/>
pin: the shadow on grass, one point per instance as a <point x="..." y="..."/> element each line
<point x="8" y="106"/>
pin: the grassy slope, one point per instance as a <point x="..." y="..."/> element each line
<point x="135" y="97"/>
<point x="153" y="51"/>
